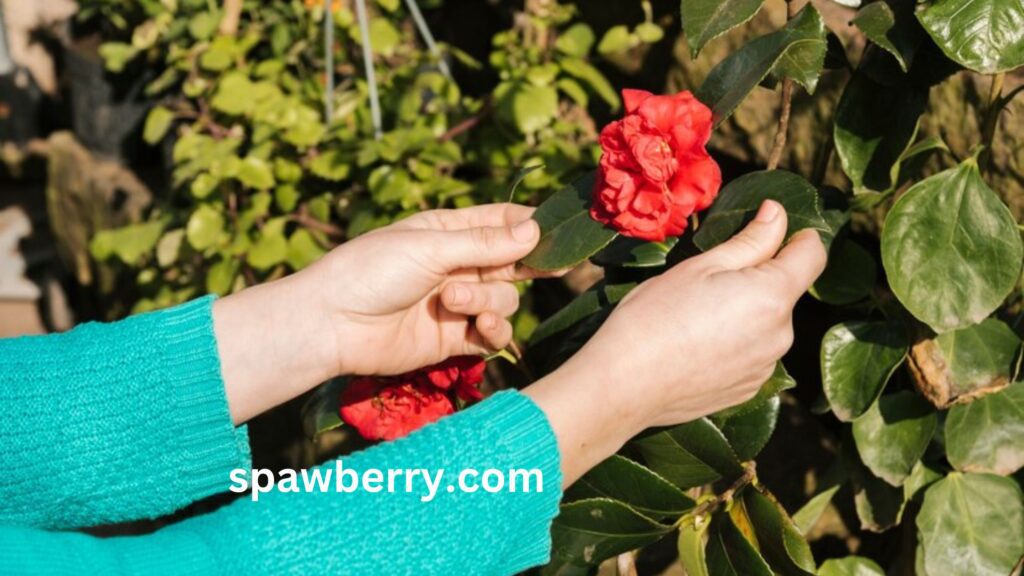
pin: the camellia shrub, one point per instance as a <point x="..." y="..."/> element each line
<point x="921" y="377"/>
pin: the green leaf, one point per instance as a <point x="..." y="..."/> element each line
<point x="890" y="31"/>
<point x="649" y="32"/>
<point x="780" y="380"/>
<point x="951" y="249"/>
<point x="221" y="276"/>
<point x="624" y="480"/>
<point x="921" y="477"/>
<point x="705" y="20"/>
<point x="590" y="531"/>
<point x="586" y="73"/>
<point x="117" y="55"/>
<point x="205" y="228"/>
<point x="321" y="412"/>
<point x="271" y="249"/>
<point x="893" y="434"/>
<point x="850" y="566"/>
<point x="849" y="276"/>
<point x="587" y="304"/>
<point x="234" y="94"/>
<point x="577" y="40"/>
<point x="857" y="359"/>
<point x="691" y="547"/>
<point x="633" y="253"/>
<point x="690" y="454"/>
<point x="616" y="39"/>
<point x="986" y="36"/>
<point x="568" y="234"/>
<point x="879" y="505"/>
<point x="987" y="435"/>
<point x="158" y="122"/>
<point x="748" y="432"/>
<point x="804" y="61"/>
<point x="739" y="201"/>
<point x="169" y="247"/>
<point x="255" y="173"/>
<point x="874" y="125"/>
<point x="729" y="553"/>
<point x="733" y="78"/>
<point x="526" y="106"/>
<point x="963" y="364"/>
<point x="129" y="243"/>
<point x="332" y="164"/>
<point x="806" y="517"/>
<point x="781" y="543"/>
<point x="303" y="249"/>
<point x="972" y="525"/>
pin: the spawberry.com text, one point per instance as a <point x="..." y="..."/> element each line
<point x="422" y="481"/>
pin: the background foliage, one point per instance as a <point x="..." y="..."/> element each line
<point x="912" y="332"/>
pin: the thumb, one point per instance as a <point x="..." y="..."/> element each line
<point x="485" y="246"/>
<point x="758" y="242"/>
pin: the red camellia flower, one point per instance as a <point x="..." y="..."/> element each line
<point x="654" y="171"/>
<point x="386" y="408"/>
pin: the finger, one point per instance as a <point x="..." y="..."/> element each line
<point x="488" y="246"/>
<point x="473" y="299"/>
<point x="473" y="217"/>
<point x="801" y="262"/>
<point x="495" y="332"/>
<point x="756" y="243"/>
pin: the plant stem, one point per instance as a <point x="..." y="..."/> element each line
<point x="991" y="123"/>
<point x="779" y="145"/>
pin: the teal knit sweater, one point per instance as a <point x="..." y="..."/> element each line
<point x="123" y="421"/>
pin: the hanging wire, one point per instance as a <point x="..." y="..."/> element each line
<point x="428" y="38"/>
<point x="329" y="57"/>
<point x="371" y="75"/>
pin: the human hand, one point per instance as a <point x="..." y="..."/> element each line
<point x="701" y="337"/>
<point x="431" y="286"/>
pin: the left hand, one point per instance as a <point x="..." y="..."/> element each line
<point x="435" y="285"/>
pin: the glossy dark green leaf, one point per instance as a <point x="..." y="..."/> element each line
<point x="891" y="32"/>
<point x="729" y="553"/>
<point x="624" y="480"/>
<point x="739" y="201"/>
<point x="705" y="20"/>
<point x="689" y="455"/>
<point x="873" y="126"/>
<point x="590" y="302"/>
<point x="633" y="253"/>
<point x="803" y="61"/>
<point x="961" y="364"/>
<point x="986" y="36"/>
<point x="879" y="505"/>
<point x="808" y="515"/>
<point x="850" y="566"/>
<point x="951" y="249"/>
<point x="749" y="432"/>
<point x="849" y="276"/>
<point x="731" y="80"/>
<point x="987" y="434"/>
<point x="779" y="381"/>
<point x="568" y="234"/>
<point x="781" y="543"/>
<point x="590" y="531"/>
<point x="921" y="477"/>
<point x="892" y="435"/>
<point x="972" y="525"/>
<point x="857" y="359"/>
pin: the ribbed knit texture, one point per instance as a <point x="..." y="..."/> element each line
<point x="117" y="421"/>
<point x="113" y="422"/>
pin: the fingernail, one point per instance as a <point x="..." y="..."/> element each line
<point x="768" y="212"/>
<point x="459" y="295"/>
<point x="525" y="231"/>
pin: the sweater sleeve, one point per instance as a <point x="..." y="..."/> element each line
<point x="115" y="422"/>
<point x="357" y="532"/>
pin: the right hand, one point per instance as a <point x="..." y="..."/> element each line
<point x="701" y="337"/>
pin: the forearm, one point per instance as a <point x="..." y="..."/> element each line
<point x="273" y="343"/>
<point x="101" y="421"/>
<point x="357" y="532"/>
